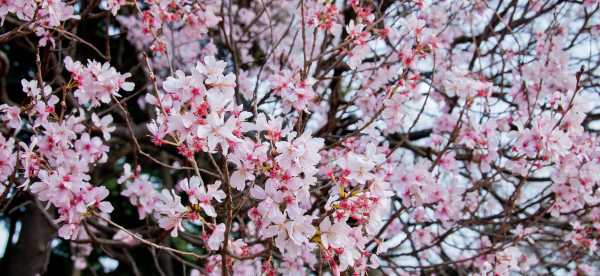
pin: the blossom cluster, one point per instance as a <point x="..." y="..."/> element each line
<point x="296" y="137"/>
<point x="96" y="83"/>
<point x="62" y="147"/>
<point x="42" y="16"/>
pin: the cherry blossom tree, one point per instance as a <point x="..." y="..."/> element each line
<point x="299" y="137"/>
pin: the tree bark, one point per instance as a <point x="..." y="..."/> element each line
<point x="29" y="256"/>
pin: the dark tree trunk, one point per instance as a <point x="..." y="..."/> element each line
<point x="29" y="256"/>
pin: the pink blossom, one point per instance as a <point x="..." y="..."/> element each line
<point x="170" y="212"/>
<point x="216" y="238"/>
<point x="96" y="83"/>
<point x="7" y="158"/>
